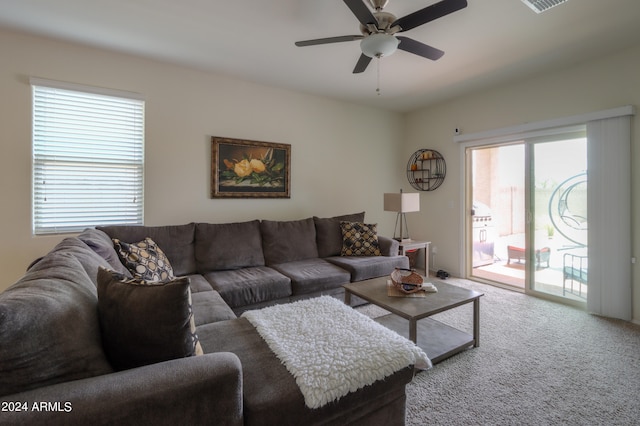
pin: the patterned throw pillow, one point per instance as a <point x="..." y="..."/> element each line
<point x="145" y="260"/>
<point x="359" y="239"/>
<point x="145" y="322"/>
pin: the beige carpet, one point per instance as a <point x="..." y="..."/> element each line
<point x="539" y="363"/>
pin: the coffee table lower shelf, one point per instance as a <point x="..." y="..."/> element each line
<point x="438" y="340"/>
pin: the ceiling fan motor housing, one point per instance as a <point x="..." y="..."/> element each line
<point x="385" y="19"/>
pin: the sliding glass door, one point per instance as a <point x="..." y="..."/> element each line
<point x="497" y="221"/>
<point x="559" y="222"/>
<point x="527" y="226"/>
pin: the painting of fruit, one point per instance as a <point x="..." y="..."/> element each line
<point x="249" y="169"/>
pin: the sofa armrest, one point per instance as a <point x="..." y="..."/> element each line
<point x="388" y="246"/>
<point x="205" y="389"/>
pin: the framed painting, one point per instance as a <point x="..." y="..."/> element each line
<point x="250" y="169"/>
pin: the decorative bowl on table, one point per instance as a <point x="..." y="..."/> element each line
<point x="406" y="280"/>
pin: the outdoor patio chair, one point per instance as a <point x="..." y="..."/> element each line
<point x="575" y="270"/>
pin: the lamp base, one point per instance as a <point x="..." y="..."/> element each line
<point x="404" y="230"/>
<point x="403" y="240"/>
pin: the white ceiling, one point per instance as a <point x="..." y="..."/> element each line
<point x="488" y="42"/>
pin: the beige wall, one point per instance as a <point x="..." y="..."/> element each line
<point x="608" y="82"/>
<point x="343" y="156"/>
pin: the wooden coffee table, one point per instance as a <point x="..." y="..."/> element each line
<point x="438" y="340"/>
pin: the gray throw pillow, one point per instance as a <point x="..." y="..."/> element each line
<point x="144" y="323"/>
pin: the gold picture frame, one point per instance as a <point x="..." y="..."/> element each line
<point x="250" y="169"/>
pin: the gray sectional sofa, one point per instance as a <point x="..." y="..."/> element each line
<point x="258" y="263"/>
<point x="54" y="368"/>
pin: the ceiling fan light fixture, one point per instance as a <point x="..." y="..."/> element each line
<point x="379" y="45"/>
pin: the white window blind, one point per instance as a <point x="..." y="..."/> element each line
<point x="609" y="206"/>
<point x="88" y="158"/>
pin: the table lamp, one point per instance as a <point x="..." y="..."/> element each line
<point x="401" y="203"/>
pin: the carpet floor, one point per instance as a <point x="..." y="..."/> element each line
<point x="539" y="363"/>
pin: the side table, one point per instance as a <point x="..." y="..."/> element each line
<point x="414" y="245"/>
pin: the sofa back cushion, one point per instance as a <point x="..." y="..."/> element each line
<point x="103" y="246"/>
<point x="89" y="260"/>
<point x="176" y="241"/>
<point x="228" y="246"/>
<point x="329" y="234"/>
<point x="49" y="329"/>
<point x="288" y="241"/>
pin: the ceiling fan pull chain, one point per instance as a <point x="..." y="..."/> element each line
<point x="378" y="76"/>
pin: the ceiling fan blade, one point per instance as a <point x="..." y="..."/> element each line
<point x="328" y="40"/>
<point x="362" y="12"/>
<point x="429" y="13"/>
<point x="362" y="64"/>
<point x="417" y="48"/>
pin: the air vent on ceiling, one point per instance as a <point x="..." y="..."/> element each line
<point x="540" y="6"/>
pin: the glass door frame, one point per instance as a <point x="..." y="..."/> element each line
<point x="530" y="208"/>
<point x="509" y="282"/>
<point x="529" y="142"/>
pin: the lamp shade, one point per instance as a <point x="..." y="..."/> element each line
<point x="402" y="202"/>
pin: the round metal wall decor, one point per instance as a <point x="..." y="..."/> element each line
<point x="426" y="169"/>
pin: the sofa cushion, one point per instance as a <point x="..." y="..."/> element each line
<point x="388" y="246"/>
<point x="208" y="305"/>
<point x="287" y="241"/>
<point x="177" y="242"/>
<point x="145" y="260"/>
<point x="89" y="259"/>
<point x="228" y="246"/>
<point x="49" y="330"/>
<point x="102" y="245"/>
<point x="144" y="323"/>
<point x="272" y="397"/>
<point x="360" y="239"/>
<point x="248" y="286"/>
<point x="198" y="283"/>
<point x="366" y="267"/>
<point x="329" y="234"/>
<point x="313" y="275"/>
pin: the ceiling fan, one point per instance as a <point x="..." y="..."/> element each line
<point x="379" y="30"/>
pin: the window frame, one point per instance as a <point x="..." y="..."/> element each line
<point x="87" y="157"/>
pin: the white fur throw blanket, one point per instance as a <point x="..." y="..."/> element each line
<point x="331" y="349"/>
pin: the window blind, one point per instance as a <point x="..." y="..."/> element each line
<point x="88" y="159"/>
<point x="609" y="206"/>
